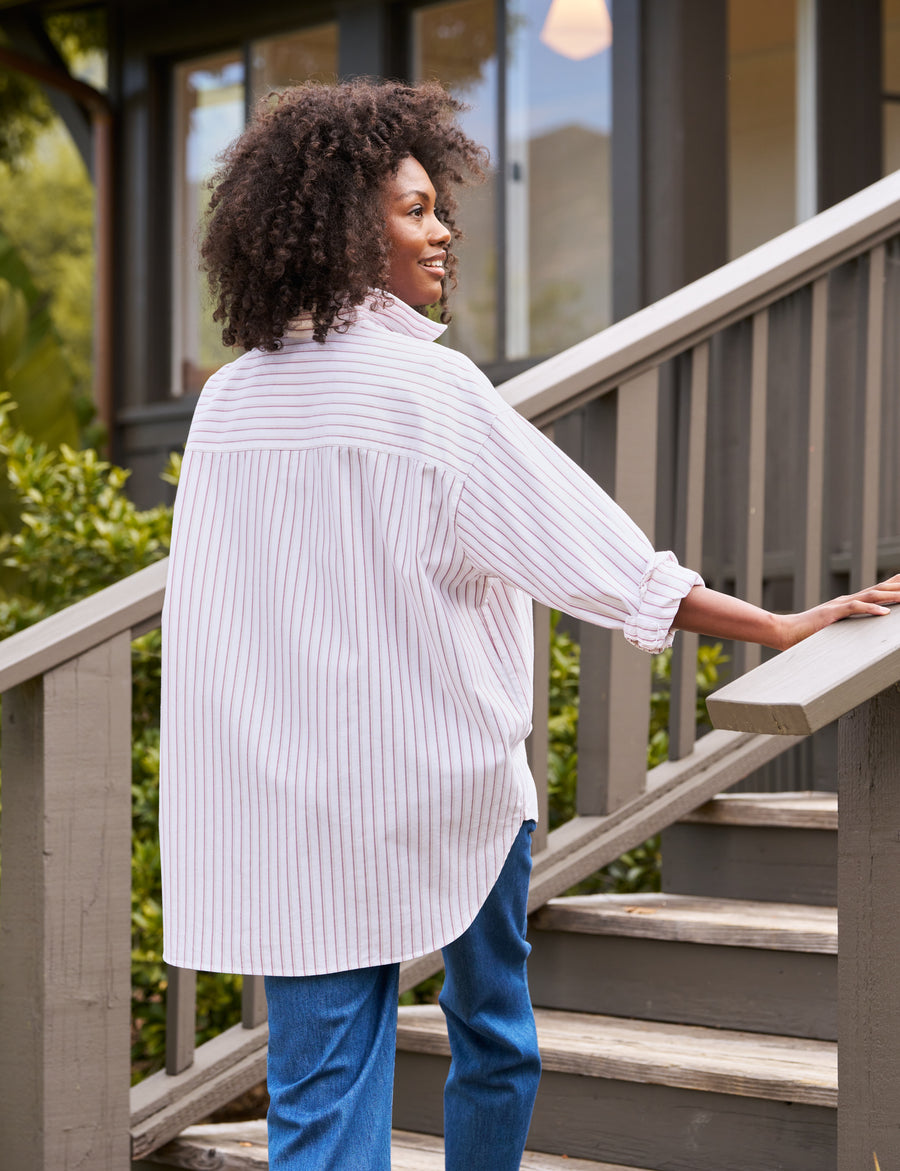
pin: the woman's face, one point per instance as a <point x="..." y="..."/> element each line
<point x="417" y="240"/>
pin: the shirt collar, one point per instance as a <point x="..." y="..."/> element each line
<point x="395" y="316"/>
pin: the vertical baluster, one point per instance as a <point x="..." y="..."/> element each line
<point x="867" y="455"/>
<point x="749" y="575"/>
<point x="253" y="1001"/>
<point x="65" y="976"/>
<point x="808" y="579"/>
<point x="689" y="525"/>
<point x="538" y="743"/>
<point x="615" y="677"/>
<point x="181" y="1019"/>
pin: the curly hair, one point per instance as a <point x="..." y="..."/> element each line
<point x="296" y="219"/>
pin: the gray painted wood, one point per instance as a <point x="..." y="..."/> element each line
<point x="689" y="545"/>
<point x="615" y="677"/>
<point x="181" y="1014"/>
<point x="725" y="1061"/>
<point x="632" y="1123"/>
<point x="223" y="1068"/>
<point x="867" y="441"/>
<point x="751" y="862"/>
<point x="815" y="682"/>
<point x="66" y="938"/>
<point x="538" y="743"/>
<point x="584" y="844"/>
<point x="243" y="1146"/>
<point x="869" y="960"/>
<point x="808" y="580"/>
<point x="751" y="989"/>
<point x="688" y="919"/>
<point x="751" y="487"/>
<point x="810" y="810"/>
<point x="89" y="623"/>
<point x="254" y="1010"/>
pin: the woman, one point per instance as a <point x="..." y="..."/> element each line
<point x="360" y="528"/>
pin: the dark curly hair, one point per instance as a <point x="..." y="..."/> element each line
<point x="296" y="220"/>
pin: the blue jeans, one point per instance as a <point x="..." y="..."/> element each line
<point x="332" y="1041"/>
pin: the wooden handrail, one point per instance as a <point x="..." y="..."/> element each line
<point x="815" y="682"/>
<point x="133" y="604"/>
<point x="691" y="314"/>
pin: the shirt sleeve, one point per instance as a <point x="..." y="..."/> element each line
<point x="530" y="516"/>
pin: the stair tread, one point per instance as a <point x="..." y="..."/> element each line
<point x="695" y="919"/>
<point x="242" y="1146"/>
<point x="756" y="1065"/>
<point x="805" y="810"/>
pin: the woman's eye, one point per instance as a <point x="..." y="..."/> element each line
<point x="417" y="211"/>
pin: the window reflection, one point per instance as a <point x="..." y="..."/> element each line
<point x="456" y="44"/>
<point x="559" y="118"/>
<point x="536" y="277"/>
<point x="278" y="62"/>
<point x="210" y="111"/>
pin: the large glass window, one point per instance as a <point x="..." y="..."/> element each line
<point x="535" y="271"/>
<point x="210" y="105"/>
<point x="211" y="100"/>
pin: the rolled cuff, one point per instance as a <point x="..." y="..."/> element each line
<point x="663" y="585"/>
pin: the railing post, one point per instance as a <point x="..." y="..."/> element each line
<point x="65" y="978"/>
<point x="869" y="942"/>
<point x="614" y="705"/>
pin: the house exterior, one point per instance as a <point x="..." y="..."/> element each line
<point x="626" y="161"/>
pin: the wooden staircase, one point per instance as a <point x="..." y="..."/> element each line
<point x="691" y="1030"/>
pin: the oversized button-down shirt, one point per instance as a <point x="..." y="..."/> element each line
<point x="359" y="530"/>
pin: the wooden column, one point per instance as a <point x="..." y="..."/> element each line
<point x="869" y="942"/>
<point x="614" y="704"/>
<point x="65" y="929"/>
<point x="669" y="147"/>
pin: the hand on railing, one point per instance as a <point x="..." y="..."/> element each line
<point x="705" y="611"/>
<point x="874" y="600"/>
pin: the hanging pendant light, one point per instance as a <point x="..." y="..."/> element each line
<point x="577" y="28"/>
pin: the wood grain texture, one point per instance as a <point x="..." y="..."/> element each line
<point x="243" y="1146"/>
<point x="131" y="603"/>
<point x="753" y="990"/>
<point x="689" y="919"/>
<point x="815" y="682"/>
<point x="786" y="1069"/>
<point x="809" y="810"/>
<point x="869" y="958"/>
<point x="65" y="975"/>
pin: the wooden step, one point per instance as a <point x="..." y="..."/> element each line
<point x="809" y="810"/>
<point x="779" y="847"/>
<point x="683" y="1098"/>
<point x="753" y="966"/>
<point x="242" y="1146"/>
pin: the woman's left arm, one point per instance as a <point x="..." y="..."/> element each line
<point x="706" y="611"/>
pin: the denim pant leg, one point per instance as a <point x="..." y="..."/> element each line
<point x="495" y="1067"/>
<point x="331" y="1069"/>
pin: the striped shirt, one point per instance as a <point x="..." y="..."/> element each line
<point x="359" y="530"/>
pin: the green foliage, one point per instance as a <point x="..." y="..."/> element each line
<point x="24" y="109"/>
<point x="639" y="869"/>
<point x="47" y="215"/>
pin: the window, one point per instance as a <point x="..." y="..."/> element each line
<point x="890" y="17"/>
<point x="535" y="269"/>
<point x="211" y="100"/>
